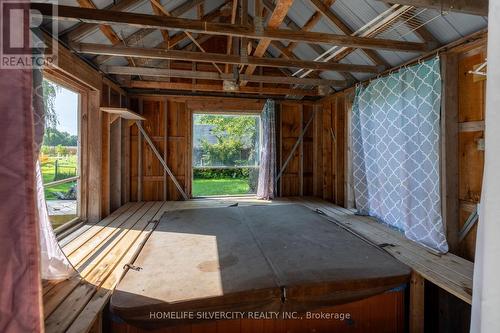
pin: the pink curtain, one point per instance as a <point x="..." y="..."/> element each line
<point x="20" y="284"/>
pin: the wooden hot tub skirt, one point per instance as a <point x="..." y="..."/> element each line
<point x="376" y="314"/>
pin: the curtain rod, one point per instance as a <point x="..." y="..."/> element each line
<point x="463" y="41"/>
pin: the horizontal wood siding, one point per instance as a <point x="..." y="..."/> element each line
<point x="381" y="313"/>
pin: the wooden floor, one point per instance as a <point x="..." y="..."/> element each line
<point x="100" y="251"/>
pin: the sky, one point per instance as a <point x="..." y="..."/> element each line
<point x="66" y="105"/>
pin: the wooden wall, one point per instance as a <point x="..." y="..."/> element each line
<point x="113" y="139"/>
<point x="169" y="124"/>
<point x="331" y="149"/>
<point x="462" y="141"/>
<point x="318" y="166"/>
<point x="298" y="177"/>
<point x="471" y="107"/>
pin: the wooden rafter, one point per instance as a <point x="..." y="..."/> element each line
<point x="324" y="10"/>
<point x="219" y="88"/>
<point x="200" y="9"/>
<point x="377" y="29"/>
<point x="310" y="24"/>
<point x="152" y="21"/>
<point x="294" y="26"/>
<point x="107" y="30"/>
<point x="82" y="30"/>
<point x="421" y="32"/>
<point x="148" y="71"/>
<point x="164" y="12"/>
<point x="136" y="38"/>
<point x="218" y="58"/>
<point x="335" y="20"/>
<point x="371" y="31"/>
<point x="230" y="39"/>
<point x="276" y="18"/>
<point x="157" y="11"/>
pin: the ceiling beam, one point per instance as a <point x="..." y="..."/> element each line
<point x="309" y="25"/>
<point x="136" y="37"/>
<point x="105" y="29"/>
<point x="108" y="32"/>
<point x="277" y="16"/>
<point x="82" y="30"/>
<point x="205" y="38"/>
<point x="148" y="71"/>
<point x="121" y="51"/>
<point x="474" y="7"/>
<point x="315" y="47"/>
<point x="101" y="16"/>
<point x="218" y="88"/>
<point x="164" y="12"/>
<point x="386" y="19"/>
<point x="157" y="11"/>
<point x="230" y="39"/>
<point x="336" y="21"/>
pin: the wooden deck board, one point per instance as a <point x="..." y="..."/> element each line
<point x="66" y="306"/>
<point x="101" y="227"/>
<point x="94" y="307"/>
<point x="86" y="238"/>
<point x="101" y="250"/>
<point x="85" y="227"/>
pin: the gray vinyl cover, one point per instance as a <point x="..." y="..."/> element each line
<point x="255" y="258"/>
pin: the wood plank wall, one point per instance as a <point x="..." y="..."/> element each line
<point x="113" y="186"/>
<point x="172" y="136"/>
<point x="332" y="149"/>
<point x="168" y="124"/>
<point x="290" y="127"/>
<point x="463" y="109"/>
<point x="471" y="107"/>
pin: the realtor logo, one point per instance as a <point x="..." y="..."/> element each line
<point x="22" y="43"/>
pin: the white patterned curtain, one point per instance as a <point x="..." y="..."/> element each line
<point x="267" y="169"/>
<point x="396" y="136"/>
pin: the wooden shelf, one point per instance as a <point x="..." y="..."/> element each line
<point x="123" y="112"/>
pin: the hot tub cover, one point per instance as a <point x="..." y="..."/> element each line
<point x="255" y="258"/>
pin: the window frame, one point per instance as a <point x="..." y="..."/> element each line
<point x="81" y="179"/>
<point x="257" y="113"/>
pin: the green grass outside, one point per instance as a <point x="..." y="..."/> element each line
<point x="67" y="168"/>
<point x="222" y="186"/>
